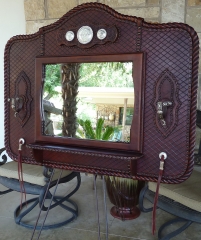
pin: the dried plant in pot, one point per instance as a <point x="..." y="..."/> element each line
<point x="124" y="194"/>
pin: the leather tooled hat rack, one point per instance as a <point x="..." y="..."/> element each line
<point x="164" y="60"/>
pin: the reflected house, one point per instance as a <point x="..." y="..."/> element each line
<point x="114" y="105"/>
<point x="89" y="90"/>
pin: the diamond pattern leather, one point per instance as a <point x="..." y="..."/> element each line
<point x="167" y="46"/>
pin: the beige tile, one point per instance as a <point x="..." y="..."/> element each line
<point x="200" y="61"/>
<point x="9" y="206"/>
<point x="173" y="11"/>
<point x="150" y="12"/>
<point x="123" y="3"/>
<point x="57" y="8"/>
<point x="194" y="2"/>
<point x="87" y="213"/>
<point x="153" y="2"/>
<point x="9" y="230"/>
<point x="33" y="26"/>
<point x="152" y="20"/>
<point x="75" y="234"/>
<point x="193" y="18"/>
<point x="85" y="226"/>
<point x="34" y="9"/>
<point x="198" y="130"/>
<point x="199" y="35"/>
<point x="86" y="1"/>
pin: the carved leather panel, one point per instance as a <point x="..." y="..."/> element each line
<point x="172" y="46"/>
<point x="111" y="36"/>
<point x="21" y="103"/>
<point x="166" y="103"/>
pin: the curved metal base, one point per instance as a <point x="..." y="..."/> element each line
<point x="141" y="201"/>
<point x="19" y="215"/>
<point x="58" y="201"/>
<point x="173" y="233"/>
<point x="125" y="213"/>
<point x="183" y="213"/>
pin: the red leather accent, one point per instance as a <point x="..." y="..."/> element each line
<point x="156" y="196"/>
<point x="20" y="176"/>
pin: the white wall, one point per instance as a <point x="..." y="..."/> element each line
<point x="12" y="22"/>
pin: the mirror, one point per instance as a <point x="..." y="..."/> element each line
<point x="89" y="100"/>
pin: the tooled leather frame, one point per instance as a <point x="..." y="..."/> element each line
<point x="172" y="46"/>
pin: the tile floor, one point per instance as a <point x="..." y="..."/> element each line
<point x="85" y="226"/>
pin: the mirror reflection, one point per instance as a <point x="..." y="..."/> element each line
<point x="89" y="100"/>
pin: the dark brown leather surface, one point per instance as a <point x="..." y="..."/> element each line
<point x="173" y="47"/>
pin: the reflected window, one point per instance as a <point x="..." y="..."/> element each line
<point x="129" y="115"/>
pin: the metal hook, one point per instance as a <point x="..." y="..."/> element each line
<point x="162" y="109"/>
<point x="17" y="104"/>
<point x="21" y="142"/>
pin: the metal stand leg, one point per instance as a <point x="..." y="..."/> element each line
<point x="50" y="203"/>
<point x="97" y="209"/>
<point x="44" y="202"/>
<point x="105" y="204"/>
<point x="50" y="180"/>
<point x="187" y="223"/>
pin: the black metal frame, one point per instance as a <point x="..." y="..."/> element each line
<point x="182" y="213"/>
<point x="19" y="213"/>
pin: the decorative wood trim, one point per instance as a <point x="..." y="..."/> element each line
<point x="146" y="28"/>
<point x="139" y="34"/>
<point x="94" y="153"/>
<point x="111" y="36"/>
<point x="136" y="136"/>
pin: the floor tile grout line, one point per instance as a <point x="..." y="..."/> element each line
<point x="3" y="217"/>
<point x="110" y="225"/>
<point x="85" y="230"/>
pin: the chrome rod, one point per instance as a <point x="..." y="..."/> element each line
<point x="105" y="205"/>
<point x="50" y="203"/>
<point x="97" y="209"/>
<point x="50" y="180"/>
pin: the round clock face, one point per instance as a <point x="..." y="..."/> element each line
<point x="85" y="34"/>
<point x="101" y="34"/>
<point x="70" y="36"/>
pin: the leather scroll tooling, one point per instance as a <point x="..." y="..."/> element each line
<point x="110" y="35"/>
<point x="166" y="103"/>
<point x="21" y="102"/>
